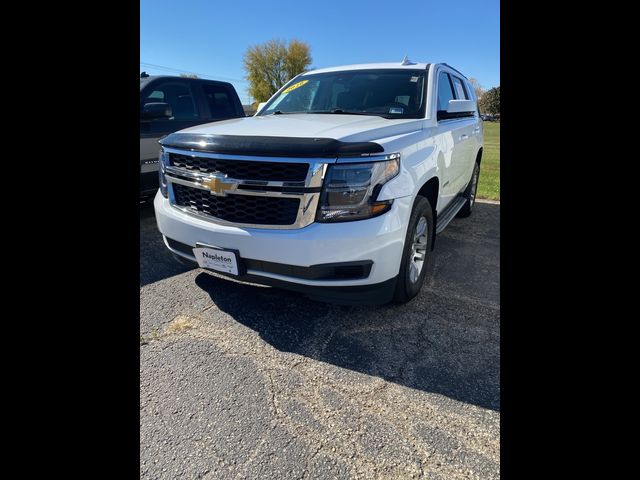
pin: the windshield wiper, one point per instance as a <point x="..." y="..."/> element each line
<point x="280" y="112"/>
<point x="339" y="111"/>
<point x="335" y="111"/>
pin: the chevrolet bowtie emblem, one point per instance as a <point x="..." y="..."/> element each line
<point x="218" y="186"/>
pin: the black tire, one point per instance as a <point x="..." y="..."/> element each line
<point x="470" y="193"/>
<point x="406" y="287"/>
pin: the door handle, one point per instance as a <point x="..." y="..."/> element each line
<point x="464" y="136"/>
<point x="476" y="130"/>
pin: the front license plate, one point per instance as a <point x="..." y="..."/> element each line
<point x="219" y="260"/>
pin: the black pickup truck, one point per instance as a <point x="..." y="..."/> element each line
<point x="169" y="104"/>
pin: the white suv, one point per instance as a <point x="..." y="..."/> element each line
<point x="337" y="186"/>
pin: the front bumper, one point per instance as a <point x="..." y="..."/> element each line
<point x="372" y="294"/>
<point x="379" y="240"/>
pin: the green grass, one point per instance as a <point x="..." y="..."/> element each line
<point x="489" y="181"/>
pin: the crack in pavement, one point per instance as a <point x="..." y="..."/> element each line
<point x="372" y="399"/>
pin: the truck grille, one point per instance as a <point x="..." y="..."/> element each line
<point x="244" y="169"/>
<point x="242" y="190"/>
<point x="247" y="209"/>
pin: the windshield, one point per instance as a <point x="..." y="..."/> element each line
<point x="388" y="93"/>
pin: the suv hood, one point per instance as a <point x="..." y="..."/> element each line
<point x="347" y="128"/>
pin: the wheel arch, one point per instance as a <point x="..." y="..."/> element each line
<point x="431" y="191"/>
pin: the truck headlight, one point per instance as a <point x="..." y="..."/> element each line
<point x="350" y="190"/>
<point x="163" y="159"/>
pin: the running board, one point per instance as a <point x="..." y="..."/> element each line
<point x="449" y="213"/>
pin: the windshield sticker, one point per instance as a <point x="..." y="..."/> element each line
<point x="294" y="86"/>
<point x="414" y="79"/>
<point x="396" y="110"/>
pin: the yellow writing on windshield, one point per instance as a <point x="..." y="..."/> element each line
<point x="294" y="86"/>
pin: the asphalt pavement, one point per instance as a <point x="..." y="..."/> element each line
<point x="243" y="381"/>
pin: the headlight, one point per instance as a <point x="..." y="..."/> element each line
<point x="163" y="160"/>
<point x="350" y="190"/>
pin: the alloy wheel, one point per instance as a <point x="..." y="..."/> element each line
<point x="418" y="250"/>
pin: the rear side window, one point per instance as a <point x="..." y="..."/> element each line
<point x="220" y="101"/>
<point x="461" y="91"/>
<point x="179" y="96"/>
<point x="445" y="91"/>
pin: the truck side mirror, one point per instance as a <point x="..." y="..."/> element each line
<point x="461" y="106"/>
<point x="457" y="109"/>
<point x="155" y="110"/>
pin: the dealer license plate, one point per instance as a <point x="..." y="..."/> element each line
<point x="218" y="260"/>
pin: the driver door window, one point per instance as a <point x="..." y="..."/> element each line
<point x="179" y="96"/>
<point x="445" y="91"/>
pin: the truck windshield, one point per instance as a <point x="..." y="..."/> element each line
<point x="389" y="93"/>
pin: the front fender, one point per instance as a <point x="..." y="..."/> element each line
<point x="418" y="164"/>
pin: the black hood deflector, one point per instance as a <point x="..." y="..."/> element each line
<point x="269" y="146"/>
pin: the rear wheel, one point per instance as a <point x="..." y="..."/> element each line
<point x="470" y="193"/>
<point x="415" y="255"/>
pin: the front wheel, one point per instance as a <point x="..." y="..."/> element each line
<point x="415" y="255"/>
<point x="470" y="193"/>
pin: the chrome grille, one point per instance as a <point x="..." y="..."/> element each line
<point x="248" y="170"/>
<point x="245" y="191"/>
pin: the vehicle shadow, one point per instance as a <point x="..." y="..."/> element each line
<point x="156" y="262"/>
<point x="446" y="341"/>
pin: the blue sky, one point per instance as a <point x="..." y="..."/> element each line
<point x="210" y="37"/>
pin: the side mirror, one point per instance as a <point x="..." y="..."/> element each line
<point x="461" y="106"/>
<point x="457" y="108"/>
<point x="155" y="110"/>
<point x="260" y="105"/>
